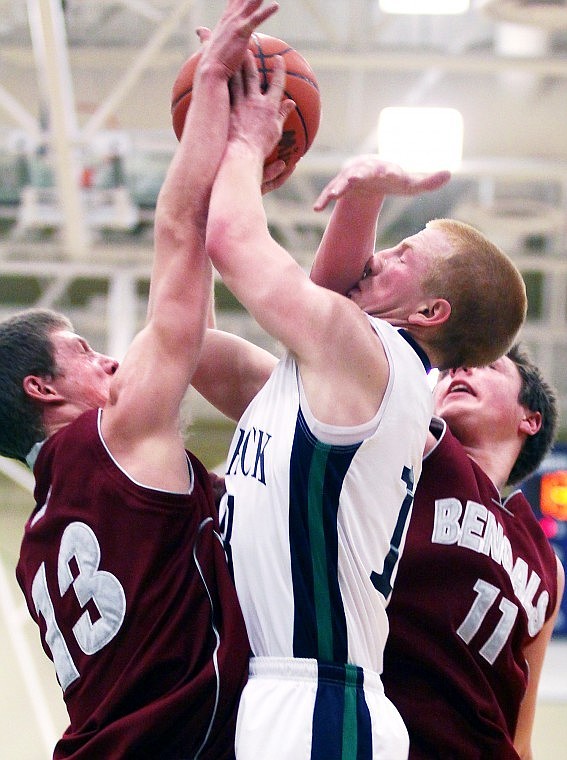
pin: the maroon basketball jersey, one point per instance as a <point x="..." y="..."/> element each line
<point x="135" y="605"/>
<point x="477" y="580"/>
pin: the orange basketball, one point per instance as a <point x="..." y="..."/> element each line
<point x="301" y="86"/>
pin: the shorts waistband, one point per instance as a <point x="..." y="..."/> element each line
<point x="307" y="669"/>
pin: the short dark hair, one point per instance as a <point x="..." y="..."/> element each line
<point x="538" y="396"/>
<point x="25" y="349"/>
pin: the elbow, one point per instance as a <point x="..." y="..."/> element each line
<point x="216" y="239"/>
<point x="226" y="242"/>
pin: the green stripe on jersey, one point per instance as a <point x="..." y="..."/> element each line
<point x="318" y="551"/>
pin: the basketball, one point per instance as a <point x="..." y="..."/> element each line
<point x="301" y="86"/>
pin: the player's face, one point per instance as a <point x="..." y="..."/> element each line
<point x="84" y="375"/>
<point x="390" y="287"/>
<point x="481" y="403"/>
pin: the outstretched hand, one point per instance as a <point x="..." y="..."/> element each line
<point x="371" y="176"/>
<point x="226" y="45"/>
<point x="221" y="46"/>
<point x="257" y="118"/>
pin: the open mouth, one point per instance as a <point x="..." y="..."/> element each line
<point x="458" y="386"/>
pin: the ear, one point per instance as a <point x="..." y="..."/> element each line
<point x="530" y="422"/>
<point x="39" y="389"/>
<point x="432" y="313"/>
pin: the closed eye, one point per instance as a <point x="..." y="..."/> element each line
<point x="83" y="346"/>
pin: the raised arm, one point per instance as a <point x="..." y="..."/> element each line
<point x="342" y="364"/>
<point x="231" y="371"/>
<point x="535" y="655"/>
<point x="141" y="420"/>
<point x="359" y="190"/>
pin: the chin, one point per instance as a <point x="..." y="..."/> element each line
<point x="452" y="413"/>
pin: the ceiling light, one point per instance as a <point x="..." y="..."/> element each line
<point x="421" y="139"/>
<point x="425" y="7"/>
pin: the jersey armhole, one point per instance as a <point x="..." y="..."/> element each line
<point x="339" y="435"/>
<point x="136" y="482"/>
<point x="438" y="429"/>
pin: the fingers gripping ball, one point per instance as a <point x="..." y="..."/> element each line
<point x="301" y="86"/>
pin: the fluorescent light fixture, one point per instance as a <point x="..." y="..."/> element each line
<point x="421" y="139"/>
<point x="425" y="7"/>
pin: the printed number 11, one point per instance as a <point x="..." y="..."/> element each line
<point x="486" y="596"/>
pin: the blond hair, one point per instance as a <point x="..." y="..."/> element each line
<point x="487" y="296"/>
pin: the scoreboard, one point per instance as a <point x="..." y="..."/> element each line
<point x="546" y="490"/>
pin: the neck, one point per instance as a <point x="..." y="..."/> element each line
<point x="496" y="460"/>
<point x="417" y="347"/>
<point x="434" y="356"/>
<point x="59" y="416"/>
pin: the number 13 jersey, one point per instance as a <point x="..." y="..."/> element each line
<point x="131" y="591"/>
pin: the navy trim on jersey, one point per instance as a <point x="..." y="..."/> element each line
<point x="317" y="473"/>
<point x="417" y="348"/>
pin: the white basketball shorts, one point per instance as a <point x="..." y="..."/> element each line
<point x="301" y="709"/>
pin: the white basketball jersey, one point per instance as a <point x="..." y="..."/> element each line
<point x="315" y="515"/>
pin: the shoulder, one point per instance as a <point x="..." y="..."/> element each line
<point x="442" y="445"/>
<point x="448" y="471"/>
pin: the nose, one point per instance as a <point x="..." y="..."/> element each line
<point x="465" y="370"/>
<point x="109" y="364"/>
<point x="373" y="265"/>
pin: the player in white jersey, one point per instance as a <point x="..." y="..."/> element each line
<point x="343" y="382"/>
<point x="318" y="594"/>
<point x="314" y="486"/>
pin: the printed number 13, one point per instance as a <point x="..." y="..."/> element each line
<point x="79" y="542"/>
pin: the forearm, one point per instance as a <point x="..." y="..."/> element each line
<point x="535" y="653"/>
<point x="359" y="190"/>
<point x="263" y="276"/>
<point x="182" y="206"/>
<point x="348" y="242"/>
<point x="186" y="189"/>
<point x="237" y="225"/>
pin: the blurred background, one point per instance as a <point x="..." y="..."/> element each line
<point x="86" y="137"/>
